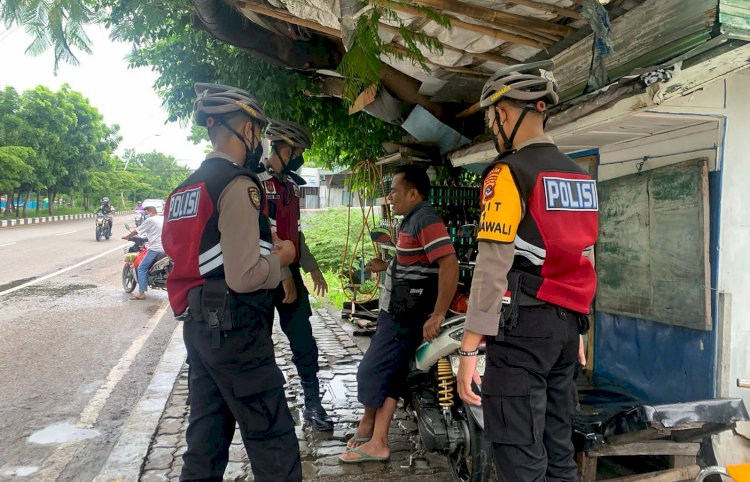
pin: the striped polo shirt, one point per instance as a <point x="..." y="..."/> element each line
<point x="422" y="240"/>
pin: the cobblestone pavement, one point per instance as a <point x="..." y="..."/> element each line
<point x="339" y="356"/>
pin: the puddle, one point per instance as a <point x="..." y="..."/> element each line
<point x="15" y="283"/>
<point x="20" y="471"/>
<point x="336" y="388"/>
<point x="61" y="433"/>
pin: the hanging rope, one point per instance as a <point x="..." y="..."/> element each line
<point x="365" y="179"/>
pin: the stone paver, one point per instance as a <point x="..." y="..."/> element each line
<point x="338" y="359"/>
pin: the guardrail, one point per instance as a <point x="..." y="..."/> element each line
<point x="4" y="223"/>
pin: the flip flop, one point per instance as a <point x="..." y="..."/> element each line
<point x="363" y="457"/>
<point x="358" y="439"/>
<point x="134" y="297"/>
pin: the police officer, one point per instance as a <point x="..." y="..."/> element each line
<point x="226" y="263"/>
<point x="533" y="283"/>
<point x="281" y="185"/>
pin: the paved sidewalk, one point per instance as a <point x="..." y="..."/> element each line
<point x="339" y="356"/>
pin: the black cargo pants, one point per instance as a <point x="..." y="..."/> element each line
<point x="529" y="396"/>
<point x="238" y="383"/>
<point x="294" y="319"/>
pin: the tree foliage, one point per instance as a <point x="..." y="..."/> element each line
<point x="164" y="40"/>
<point x="57" y="142"/>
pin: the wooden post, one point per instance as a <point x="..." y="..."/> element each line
<point x="586" y="467"/>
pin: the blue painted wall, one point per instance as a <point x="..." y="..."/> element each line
<point x="662" y="363"/>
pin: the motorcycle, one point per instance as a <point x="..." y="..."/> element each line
<point x="138" y="218"/>
<point x="103" y="226"/>
<point x="446" y="424"/>
<point x="157" y="274"/>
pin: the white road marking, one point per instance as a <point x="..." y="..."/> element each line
<point x="65" y="453"/>
<point x="62" y="234"/>
<point x="95" y="405"/>
<point x="61" y="271"/>
<point x="7" y="244"/>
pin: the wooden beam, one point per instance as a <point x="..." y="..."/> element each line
<point x="546" y="7"/>
<point x="287" y="17"/>
<point x="646" y="448"/>
<point x="498" y="34"/>
<point x="497" y="17"/>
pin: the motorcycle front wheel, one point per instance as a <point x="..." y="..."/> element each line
<point x="98" y="234"/>
<point x="128" y="280"/>
<point x="472" y="463"/>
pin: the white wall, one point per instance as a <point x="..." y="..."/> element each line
<point x="731" y="98"/>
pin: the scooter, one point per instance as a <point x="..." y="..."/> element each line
<point x="138" y="218"/>
<point x="446" y="424"/>
<point x="157" y="274"/>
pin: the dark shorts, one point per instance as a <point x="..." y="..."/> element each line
<point x="383" y="370"/>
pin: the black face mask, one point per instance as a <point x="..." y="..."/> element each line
<point x="294" y="164"/>
<point x="252" y="158"/>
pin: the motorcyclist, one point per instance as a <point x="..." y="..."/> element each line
<point x="108" y="211"/>
<point x="139" y="213"/>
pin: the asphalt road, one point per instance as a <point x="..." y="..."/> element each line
<point x="75" y="354"/>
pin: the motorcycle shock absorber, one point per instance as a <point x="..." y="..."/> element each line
<point x="445" y="383"/>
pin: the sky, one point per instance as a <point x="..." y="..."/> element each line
<point x="122" y="95"/>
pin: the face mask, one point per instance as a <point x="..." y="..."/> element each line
<point x="294" y="164"/>
<point x="146" y="216"/>
<point x="252" y="158"/>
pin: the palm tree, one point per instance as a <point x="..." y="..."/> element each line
<point x="52" y="23"/>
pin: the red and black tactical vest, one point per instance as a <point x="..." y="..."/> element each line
<point x="559" y="228"/>
<point x="191" y="234"/>
<point x="282" y="207"/>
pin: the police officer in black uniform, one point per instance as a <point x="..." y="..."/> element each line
<point x="289" y="140"/>
<point x="226" y="264"/>
<point x="533" y="283"/>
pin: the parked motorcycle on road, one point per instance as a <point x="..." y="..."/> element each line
<point x="157" y="274"/>
<point x="103" y="226"/>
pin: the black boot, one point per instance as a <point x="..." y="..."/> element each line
<point x="314" y="411"/>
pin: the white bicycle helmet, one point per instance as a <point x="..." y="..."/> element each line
<point x="523" y="82"/>
<point x="219" y="100"/>
<point x="289" y="132"/>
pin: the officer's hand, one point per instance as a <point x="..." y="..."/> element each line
<point x="376" y="265"/>
<point x="467" y="372"/>
<point x="286" y="252"/>
<point x="431" y="327"/>
<point x="581" y="351"/>
<point x="319" y="282"/>
<point x="290" y="290"/>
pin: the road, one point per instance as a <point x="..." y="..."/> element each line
<point x="75" y="354"/>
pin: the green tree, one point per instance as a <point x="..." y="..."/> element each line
<point x="15" y="171"/>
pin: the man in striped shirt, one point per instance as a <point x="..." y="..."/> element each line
<point x="418" y="287"/>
